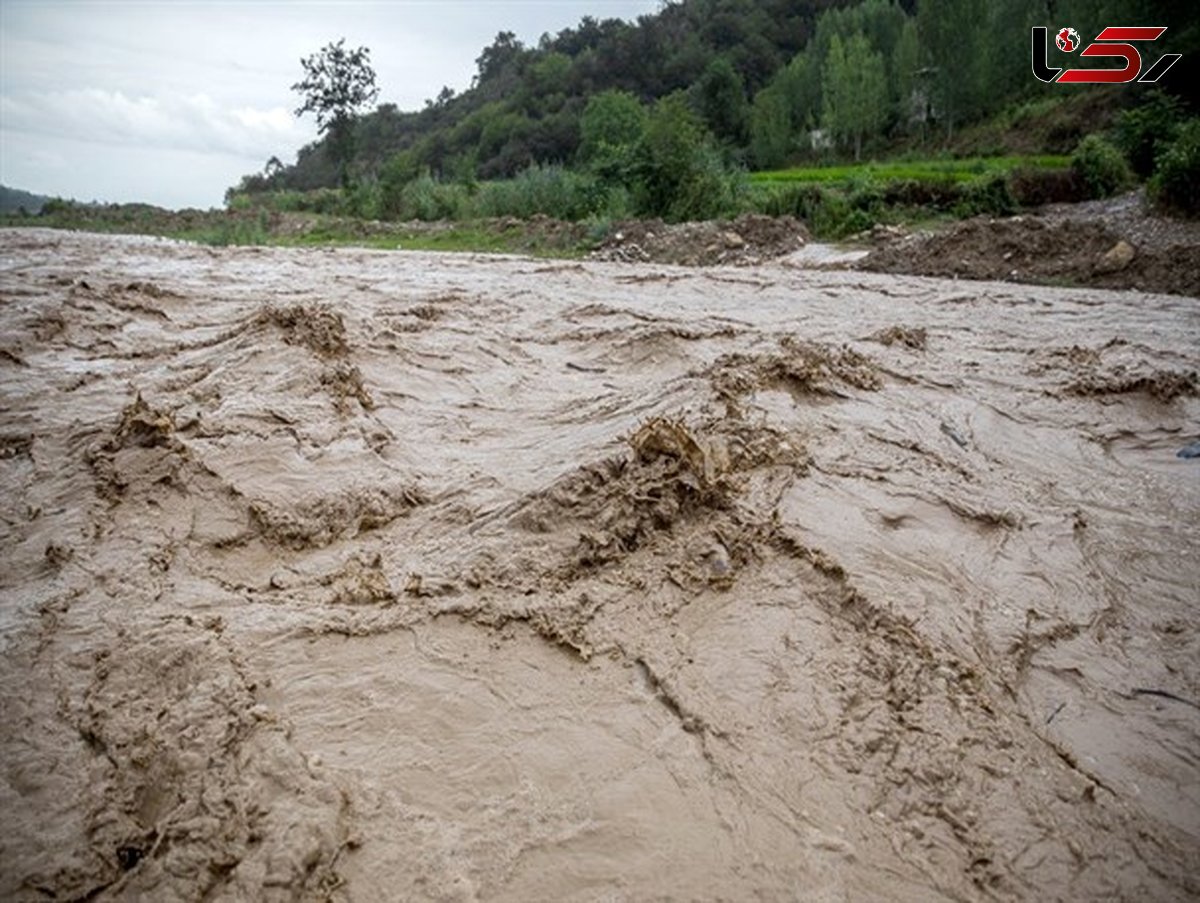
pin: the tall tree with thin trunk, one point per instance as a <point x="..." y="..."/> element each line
<point x="952" y="32"/>
<point x="906" y="61"/>
<point x="855" y="91"/>
<point x="337" y="83"/>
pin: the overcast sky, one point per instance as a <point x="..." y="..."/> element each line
<point x="172" y="102"/>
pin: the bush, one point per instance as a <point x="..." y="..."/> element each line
<point x="549" y="190"/>
<point x="424" y="198"/>
<point x="988" y="194"/>
<point x="57" y="206"/>
<point x="1148" y="128"/>
<point x="938" y="194"/>
<point x="678" y="174"/>
<point x="318" y="200"/>
<point x="867" y="196"/>
<point x="237" y="230"/>
<point x="826" y="211"/>
<point x="709" y="190"/>
<point x="1100" y="167"/>
<point x="1176" y="181"/>
<point x="363" y="200"/>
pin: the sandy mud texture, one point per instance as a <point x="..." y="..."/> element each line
<point x="1117" y="243"/>
<point x="360" y="575"/>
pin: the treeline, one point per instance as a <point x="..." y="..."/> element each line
<point x="662" y="107"/>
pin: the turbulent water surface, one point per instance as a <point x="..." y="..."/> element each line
<point x="376" y="576"/>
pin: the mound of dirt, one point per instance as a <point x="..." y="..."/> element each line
<point x="1044" y="249"/>
<point x="747" y="240"/>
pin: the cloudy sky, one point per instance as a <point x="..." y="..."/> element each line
<point x="171" y="102"/>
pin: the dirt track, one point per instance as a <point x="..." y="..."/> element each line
<point x="403" y="576"/>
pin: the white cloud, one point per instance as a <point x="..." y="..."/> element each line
<point x="170" y="121"/>
<point x="173" y="102"/>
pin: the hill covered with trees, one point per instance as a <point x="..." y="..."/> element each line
<point x="14" y="200"/>
<point x="665" y="106"/>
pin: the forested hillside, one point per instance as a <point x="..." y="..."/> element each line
<point x="760" y="83"/>
<point x="13" y="200"/>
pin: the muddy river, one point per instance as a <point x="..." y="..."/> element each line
<point x="365" y="575"/>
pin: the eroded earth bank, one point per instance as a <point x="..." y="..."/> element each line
<point x="369" y="576"/>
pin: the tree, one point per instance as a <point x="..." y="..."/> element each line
<point x="770" y="128"/>
<point x="679" y="172"/>
<point x="906" y="60"/>
<point x="611" y="128"/>
<point x="337" y="83"/>
<point x="855" y="90"/>
<point x="494" y="59"/>
<point x="952" y="32"/>
<point x="720" y="98"/>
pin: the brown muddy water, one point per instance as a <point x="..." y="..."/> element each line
<point x="368" y="575"/>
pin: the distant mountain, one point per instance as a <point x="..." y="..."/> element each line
<point x="13" y="200"/>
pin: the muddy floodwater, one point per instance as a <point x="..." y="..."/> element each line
<point x="365" y="575"/>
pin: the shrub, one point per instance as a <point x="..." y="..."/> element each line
<point x="317" y="200"/>
<point x="1100" y="167"/>
<point x="363" y="200"/>
<point x="826" y="211"/>
<point x="1146" y="129"/>
<point x="988" y="194"/>
<point x="678" y="174"/>
<point x="939" y="194"/>
<point x="867" y="196"/>
<point x="238" y="230"/>
<point x="1176" y="181"/>
<point x="424" y="198"/>
<point x="549" y="190"/>
<point x="709" y="190"/>
<point x="57" y="206"/>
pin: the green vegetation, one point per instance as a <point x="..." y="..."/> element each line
<point x="770" y="83"/>
<point x="855" y="91"/>
<point x="14" y="200"/>
<point x="834" y="201"/>
<point x="337" y="83"/>
<point x="1145" y="130"/>
<point x="264" y="226"/>
<point x="1176" y="181"/>
<point x="1100" y="167"/>
<point x="670" y="117"/>
<point x="948" y="170"/>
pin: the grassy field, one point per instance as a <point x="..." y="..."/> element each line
<point x="964" y="170"/>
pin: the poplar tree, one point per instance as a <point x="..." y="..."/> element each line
<point x="855" y="91"/>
